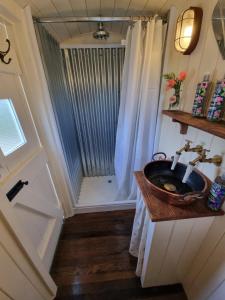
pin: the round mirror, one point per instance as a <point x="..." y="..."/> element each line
<point x="218" y="22"/>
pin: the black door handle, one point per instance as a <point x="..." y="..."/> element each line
<point x="15" y="189"/>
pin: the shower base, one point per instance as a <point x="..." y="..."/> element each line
<point x="99" y="194"/>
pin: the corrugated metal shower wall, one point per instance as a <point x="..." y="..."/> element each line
<point x="61" y="102"/>
<point x="94" y="80"/>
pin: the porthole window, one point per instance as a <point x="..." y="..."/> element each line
<point x="11" y="132"/>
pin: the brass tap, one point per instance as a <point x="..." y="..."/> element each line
<point x="216" y="159"/>
<point x="197" y="149"/>
<point x="187" y="148"/>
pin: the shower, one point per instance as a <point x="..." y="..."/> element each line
<point x="84" y="84"/>
<point x="101" y="33"/>
<point x="101" y="136"/>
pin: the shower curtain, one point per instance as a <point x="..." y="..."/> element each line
<point x="135" y="140"/>
<point x="62" y="106"/>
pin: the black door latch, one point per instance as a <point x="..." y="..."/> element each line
<point x="15" y="189"/>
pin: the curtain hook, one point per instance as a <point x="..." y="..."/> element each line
<point x="132" y="21"/>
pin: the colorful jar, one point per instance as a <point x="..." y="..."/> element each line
<point x="200" y="101"/>
<point x="216" y="108"/>
<point x="217" y="193"/>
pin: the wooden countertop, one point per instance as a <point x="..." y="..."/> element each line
<point x="162" y="211"/>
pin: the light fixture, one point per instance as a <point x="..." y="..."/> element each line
<point x="101" y="33"/>
<point x="188" y="30"/>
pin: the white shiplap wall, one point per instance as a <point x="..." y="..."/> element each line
<point x="205" y="277"/>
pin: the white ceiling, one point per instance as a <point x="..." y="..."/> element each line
<point x="61" y="8"/>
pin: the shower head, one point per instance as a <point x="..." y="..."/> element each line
<point x="101" y="33"/>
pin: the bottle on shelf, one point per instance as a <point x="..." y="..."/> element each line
<point x="217" y="193"/>
<point x="201" y="95"/>
<point x="216" y="107"/>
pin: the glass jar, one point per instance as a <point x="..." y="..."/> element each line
<point x="175" y="99"/>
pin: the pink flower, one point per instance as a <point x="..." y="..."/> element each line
<point x="217" y="113"/>
<point x="219" y="100"/>
<point x="172" y="99"/>
<point x="170" y="84"/>
<point x="199" y="99"/>
<point x="182" y="76"/>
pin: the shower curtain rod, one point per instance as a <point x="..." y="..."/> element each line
<point x="91" y="19"/>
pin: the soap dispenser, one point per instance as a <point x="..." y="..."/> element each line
<point x="217" y="193"/>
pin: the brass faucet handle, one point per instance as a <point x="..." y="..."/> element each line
<point x="203" y="154"/>
<point x="188" y="142"/>
<point x="185" y="148"/>
<point x="205" y="151"/>
<point x="217" y="160"/>
<point x="198" y="148"/>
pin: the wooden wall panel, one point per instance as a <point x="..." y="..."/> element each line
<point x="205" y="58"/>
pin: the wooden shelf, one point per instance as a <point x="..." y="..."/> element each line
<point x="162" y="211"/>
<point x="186" y="119"/>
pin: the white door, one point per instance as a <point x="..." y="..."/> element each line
<point x="22" y="277"/>
<point x="22" y="159"/>
<point x="26" y="188"/>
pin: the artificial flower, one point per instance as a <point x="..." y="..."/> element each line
<point x="174" y="82"/>
<point x="170" y="84"/>
<point x="182" y="76"/>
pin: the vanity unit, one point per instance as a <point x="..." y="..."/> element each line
<point x="169" y="237"/>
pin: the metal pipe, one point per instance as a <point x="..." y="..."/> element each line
<point x="91" y="19"/>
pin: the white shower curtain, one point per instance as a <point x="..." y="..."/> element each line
<point x="135" y="141"/>
<point x="139" y="232"/>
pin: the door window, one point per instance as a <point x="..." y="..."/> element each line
<point x="11" y="133"/>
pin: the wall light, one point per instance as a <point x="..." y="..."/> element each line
<point x="188" y="30"/>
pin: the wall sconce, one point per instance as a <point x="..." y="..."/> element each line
<point x="188" y="30"/>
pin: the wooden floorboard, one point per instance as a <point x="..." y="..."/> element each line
<point x="92" y="260"/>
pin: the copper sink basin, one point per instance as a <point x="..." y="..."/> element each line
<point x="167" y="185"/>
